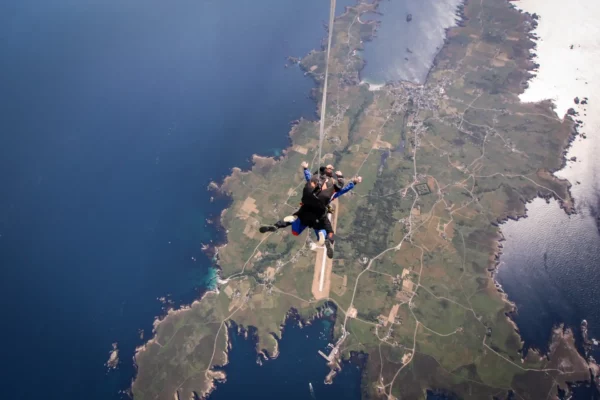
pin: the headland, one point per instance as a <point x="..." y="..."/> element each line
<point x="442" y="163"/>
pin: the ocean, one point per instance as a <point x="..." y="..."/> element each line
<point x="298" y="373"/>
<point x="550" y="266"/>
<point x="404" y="50"/>
<point x="115" y="117"/>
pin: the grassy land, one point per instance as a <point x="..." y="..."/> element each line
<point x="415" y="239"/>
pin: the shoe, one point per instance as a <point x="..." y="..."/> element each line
<point x="321" y="238"/>
<point x="268" y="228"/>
<point x="329" y="248"/>
<point x="290" y="218"/>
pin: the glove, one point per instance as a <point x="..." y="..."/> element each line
<point x="357" y="179"/>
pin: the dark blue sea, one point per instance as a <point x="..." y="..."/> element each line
<point x="551" y="269"/>
<point x="298" y="373"/>
<point x="115" y="115"/>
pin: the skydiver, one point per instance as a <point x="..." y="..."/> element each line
<point x="312" y="214"/>
<point x="330" y="190"/>
<point x="334" y="187"/>
<point x="314" y="209"/>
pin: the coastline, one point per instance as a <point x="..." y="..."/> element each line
<point x="260" y="164"/>
<point x="565" y="87"/>
<point x="293" y="316"/>
<point x="301" y="339"/>
<point x="560" y="332"/>
<point x="170" y="313"/>
<point x="213" y="251"/>
<point x="413" y="72"/>
<point x="570" y="118"/>
<point x="461" y="19"/>
<point x="266" y="162"/>
<point x="568" y="204"/>
<point x="460" y="22"/>
<point x="561" y="335"/>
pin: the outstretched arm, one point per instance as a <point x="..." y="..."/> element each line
<point x="347" y="188"/>
<point x="307" y="174"/>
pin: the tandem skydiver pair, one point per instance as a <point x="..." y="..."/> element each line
<point x="320" y="190"/>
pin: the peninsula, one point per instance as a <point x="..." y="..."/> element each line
<point x="442" y="164"/>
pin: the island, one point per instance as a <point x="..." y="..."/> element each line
<point x="113" y="358"/>
<point x="443" y="164"/>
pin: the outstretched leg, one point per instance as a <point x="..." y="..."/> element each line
<point x="324" y="233"/>
<point x="330" y="237"/>
<point x="284" y="223"/>
<point x="325" y="240"/>
<point x="328" y="229"/>
<point x="329" y="248"/>
<point x="321" y="235"/>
